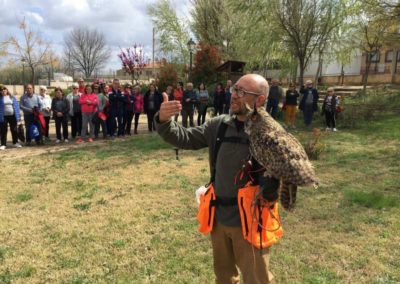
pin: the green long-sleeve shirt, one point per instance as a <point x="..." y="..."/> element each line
<point x="228" y="162"/>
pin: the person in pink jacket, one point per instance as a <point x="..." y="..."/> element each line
<point x="89" y="103"/>
<point x="139" y="102"/>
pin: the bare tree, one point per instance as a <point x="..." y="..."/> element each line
<point x="86" y="49"/>
<point x="32" y="50"/>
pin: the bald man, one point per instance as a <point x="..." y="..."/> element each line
<point x="227" y="155"/>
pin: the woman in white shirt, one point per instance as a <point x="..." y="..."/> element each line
<point x="46" y="103"/>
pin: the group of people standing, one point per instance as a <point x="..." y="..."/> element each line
<point x="198" y="99"/>
<point x="308" y="104"/>
<point x="87" y="108"/>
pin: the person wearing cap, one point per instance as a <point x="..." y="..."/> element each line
<point x="89" y="103"/>
<point x="29" y="103"/>
<point x="274" y="98"/>
<point x="46" y="102"/>
<point x="329" y="109"/>
<point x="9" y="115"/>
<point x="291" y="105"/>
<point x="81" y="85"/>
<point x="309" y="102"/>
<point x="60" y="109"/>
<point x="75" y="111"/>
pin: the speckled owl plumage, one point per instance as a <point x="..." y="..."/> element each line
<point x="281" y="154"/>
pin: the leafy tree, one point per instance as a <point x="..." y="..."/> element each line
<point x="86" y="50"/>
<point x="371" y="31"/>
<point x="214" y="24"/>
<point x="206" y="61"/>
<point x="172" y="33"/>
<point x="168" y="75"/>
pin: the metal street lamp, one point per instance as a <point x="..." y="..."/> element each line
<point x="23" y="60"/>
<point x="191" y="46"/>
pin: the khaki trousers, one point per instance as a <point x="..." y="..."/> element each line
<point x="233" y="253"/>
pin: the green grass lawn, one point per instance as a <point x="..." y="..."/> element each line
<point x="124" y="212"/>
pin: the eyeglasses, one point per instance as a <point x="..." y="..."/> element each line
<point x="241" y="92"/>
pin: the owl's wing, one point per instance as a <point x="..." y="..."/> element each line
<point x="282" y="156"/>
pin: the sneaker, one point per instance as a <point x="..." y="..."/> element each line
<point x="17" y="145"/>
<point x="47" y="139"/>
<point x="327" y="129"/>
<point x="28" y="143"/>
<point x="79" y="141"/>
<point x="66" y="141"/>
<point x="334" y="129"/>
<point x="90" y="140"/>
<point x="2" y="147"/>
<point x="58" y="141"/>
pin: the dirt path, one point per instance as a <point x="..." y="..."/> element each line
<point x="12" y="153"/>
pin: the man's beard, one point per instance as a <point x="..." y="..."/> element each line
<point x="241" y="111"/>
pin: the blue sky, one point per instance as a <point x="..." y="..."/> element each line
<point x="124" y="22"/>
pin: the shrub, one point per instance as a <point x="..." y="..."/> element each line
<point x="313" y="143"/>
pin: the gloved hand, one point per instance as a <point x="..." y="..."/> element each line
<point x="269" y="187"/>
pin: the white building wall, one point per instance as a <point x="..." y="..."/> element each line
<point x="334" y="68"/>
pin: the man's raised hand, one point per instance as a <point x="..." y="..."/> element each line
<point x="168" y="108"/>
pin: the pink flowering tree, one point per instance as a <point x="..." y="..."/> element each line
<point x="133" y="61"/>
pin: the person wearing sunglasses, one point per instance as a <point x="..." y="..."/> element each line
<point x="232" y="252"/>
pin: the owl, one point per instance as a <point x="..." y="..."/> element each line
<point x="280" y="153"/>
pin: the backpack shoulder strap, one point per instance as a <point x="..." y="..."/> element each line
<point x="220" y="135"/>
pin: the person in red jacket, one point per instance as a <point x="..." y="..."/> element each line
<point x="139" y="102"/>
<point x="89" y="103"/>
<point x="178" y="96"/>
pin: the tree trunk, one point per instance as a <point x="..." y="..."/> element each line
<point x="302" y="67"/>
<point x="33" y="77"/>
<point x="342" y="75"/>
<point x="319" y="69"/>
<point x="394" y="65"/>
<point x="366" y="73"/>
<point x="294" y="73"/>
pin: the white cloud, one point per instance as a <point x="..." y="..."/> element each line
<point x="124" y="22"/>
